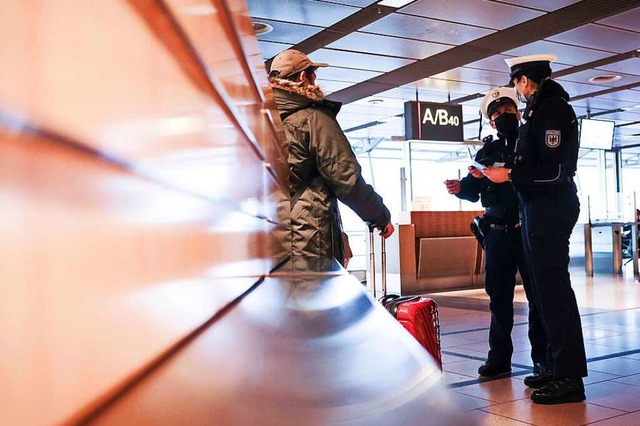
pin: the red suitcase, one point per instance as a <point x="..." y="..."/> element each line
<point x="418" y="315"/>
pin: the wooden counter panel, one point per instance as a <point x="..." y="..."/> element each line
<point x="443" y="223"/>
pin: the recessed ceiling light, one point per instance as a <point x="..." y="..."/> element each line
<point x="261" y="27"/>
<point x="606" y="78"/>
<point x="395" y="3"/>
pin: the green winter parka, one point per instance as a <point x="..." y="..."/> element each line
<point x="323" y="169"/>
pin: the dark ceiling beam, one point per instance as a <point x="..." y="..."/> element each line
<point x="466" y="98"/>
<point x="628" y="124"/>
<point x="561" y="20"/>
<point x="348" y="25"/>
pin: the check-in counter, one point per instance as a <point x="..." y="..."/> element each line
<point x="438" y="252"/>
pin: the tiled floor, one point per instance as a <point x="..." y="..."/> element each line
<point x="610" y="310"/>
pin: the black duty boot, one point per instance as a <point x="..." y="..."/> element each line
<point x="560" y="391"/>
<point x="540" y="377"/>
<point x="492" y="369"/>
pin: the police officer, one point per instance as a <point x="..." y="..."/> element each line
<point x="502" y="241"/>
<point x="542" y="173"/>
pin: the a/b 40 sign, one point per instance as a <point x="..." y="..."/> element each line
<point x="433" y="121"/>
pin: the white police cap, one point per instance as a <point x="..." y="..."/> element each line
<point x="496" y="97"/>
<point x="523" y="63"/>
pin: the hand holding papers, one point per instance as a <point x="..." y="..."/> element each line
<point x="481" y="167"/>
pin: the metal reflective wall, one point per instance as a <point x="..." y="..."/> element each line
<point x="138" y="168"/>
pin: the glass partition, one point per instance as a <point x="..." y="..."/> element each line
<point x="428" y="164"/>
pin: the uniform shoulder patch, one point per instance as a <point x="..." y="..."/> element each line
<point x="552" y="138"/>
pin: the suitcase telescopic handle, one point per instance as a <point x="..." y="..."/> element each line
<point x="383" y="266"/>
<point x="372" y="263"/>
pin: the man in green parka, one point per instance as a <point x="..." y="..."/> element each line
<point x="323" y="168"/>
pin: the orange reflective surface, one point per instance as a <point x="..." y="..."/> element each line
<point x="134" y="204"/>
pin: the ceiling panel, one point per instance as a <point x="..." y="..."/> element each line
<point x="482" y="13"/>
<point x="623" y="140"/>
<point x="284" y="32"/>
<point x="584" y="76"/>
<point x="400" y="47"/>
<point x="450" y="86"/>
<point x="368" y="109"/>
<point x="300" y="11"/>
<point x="359" y="3"/>
<point x="618" y="117"/>
<point x="269" y="49"/>
<point x="473" y="75"/>
<point x="330" y="86"/>
<point x="387" y="101"/>
<point x="632" y="96"/>
<point x="393" y="128"/>
<point x="344" y="74"/>
<point x="627" y="131"/>
<point x="360" y="118"/>
<point x="601" y="103"/>
<point x="497" y="63"/>
<point x="578" y="89"/>
<point x="630" y="66"/>
<point x="624" y="117"/>
<point x="600" y="37"/>
<point x="492" y="63"/>
<point x="409" y="94"/>
<point x="420" y="28"/>
<point x="571" y="55"/>
<point x="629" y="20"/>
<point x="470" y="110"/>
<point x="358" y="60"/>
<point x="546" y="5"/>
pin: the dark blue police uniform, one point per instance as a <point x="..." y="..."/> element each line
<point x="544" y="165"/>
<point x="504" y="256"/>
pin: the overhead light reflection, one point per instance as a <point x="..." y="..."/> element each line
<point x="395" y="3"/>
<point x="201" y="10"/>
<point x="629" y="108"/>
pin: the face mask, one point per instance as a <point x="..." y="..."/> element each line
<point x="507" y="125"/>
<point x="519" y="95"/>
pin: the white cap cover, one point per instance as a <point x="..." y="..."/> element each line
<point x="496" y="97"/>
<point x="523" y="63"/>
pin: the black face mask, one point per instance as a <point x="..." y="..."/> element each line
<point x="507" y="125"/>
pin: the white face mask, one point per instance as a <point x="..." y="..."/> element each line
<point x="519" y="95"/>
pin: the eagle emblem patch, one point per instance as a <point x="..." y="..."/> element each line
<point x="552" y="138"/>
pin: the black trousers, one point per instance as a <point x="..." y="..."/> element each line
<point x="504" y="256"/>
<point x="547" y="223"/>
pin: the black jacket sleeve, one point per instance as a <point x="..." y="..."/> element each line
<point x="470" y="187"/>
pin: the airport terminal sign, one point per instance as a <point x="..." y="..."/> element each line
<point x="432" y="121"/>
